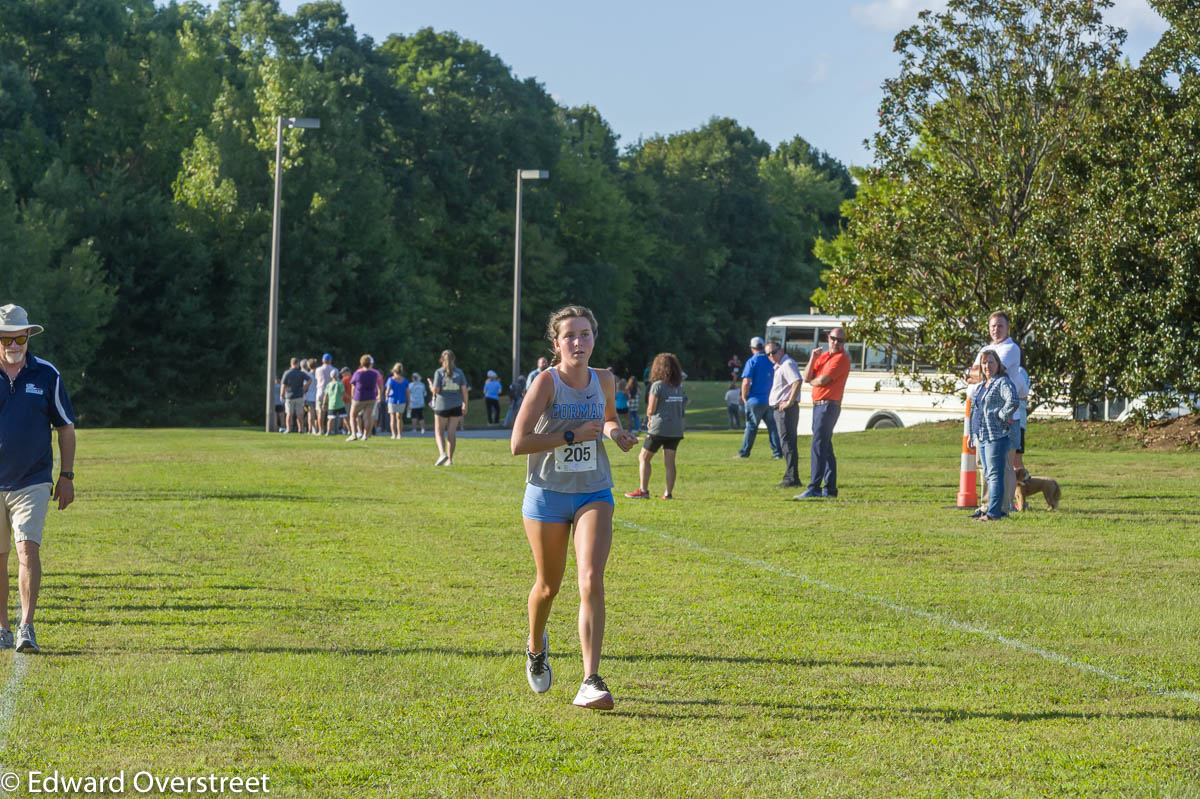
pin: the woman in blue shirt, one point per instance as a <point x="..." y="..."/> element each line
<point x="992" y="411"/>
<point x="491" y="397"/>
<point x="397" y="399"/>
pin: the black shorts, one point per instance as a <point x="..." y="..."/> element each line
<point x="450" y="413"/>
<point x="652" y="443"/>
<point x="417" y="413"/>
<point x="1021" y="449"/>
<point x="623" y="412"/>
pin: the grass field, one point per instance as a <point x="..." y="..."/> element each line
<point x="348" y="620"/>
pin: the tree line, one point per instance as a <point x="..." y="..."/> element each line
<point x="1021" y="164"/>
<point x="136" y="187"/>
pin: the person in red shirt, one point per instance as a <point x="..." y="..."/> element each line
<point x="826" y="373"/>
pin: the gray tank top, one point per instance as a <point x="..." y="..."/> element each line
<point x="581" y="468"/>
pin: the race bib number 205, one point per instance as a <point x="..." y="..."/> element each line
<point x="579" y="457"/>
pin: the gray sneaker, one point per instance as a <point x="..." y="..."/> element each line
<point x="25" y="640"/>
<point x="6" y="640"/>
<point x="537" y="667"/>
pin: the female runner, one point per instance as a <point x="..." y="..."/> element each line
<point x="566" y="411"/>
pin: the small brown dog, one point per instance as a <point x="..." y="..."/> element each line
<point x="1028" y="486"/>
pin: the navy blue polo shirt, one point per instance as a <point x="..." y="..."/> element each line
<point x="761" y="372"/>
<point x="29" y="406"/>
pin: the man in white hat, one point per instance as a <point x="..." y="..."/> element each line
<point x="32" y="400"/>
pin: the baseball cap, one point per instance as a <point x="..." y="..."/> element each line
<point x="756" y="343"/>
<point x="492" y="373"/>
<point x="327" y="357"/>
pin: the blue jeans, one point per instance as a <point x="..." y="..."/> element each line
<point x="759" y="412"/>
<point x="823" y="464"/>
<point x="993" y="453"/>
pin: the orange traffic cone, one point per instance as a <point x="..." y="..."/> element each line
<point x="967" y="496"/>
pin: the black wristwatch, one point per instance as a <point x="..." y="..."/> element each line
<point x="68" y="475"/>
<point x="569" y="436"/>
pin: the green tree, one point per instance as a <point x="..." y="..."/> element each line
<point x="1129" y="275"/>
<point x="57" y="278"/>
<point x="477" y="125"/>
<point x="963" y="210"/>
<point x="730" y="226"/>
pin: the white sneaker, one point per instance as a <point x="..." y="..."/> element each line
<point x="537" y="667"/>
<point x="441" y="460"/>
<point x="593" y="693"/>
<point x="25" y="641"/>
<point x="352" y="437"/>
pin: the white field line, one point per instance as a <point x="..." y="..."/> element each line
<point x="8" y="702"/>
<point x="904" y="610"/>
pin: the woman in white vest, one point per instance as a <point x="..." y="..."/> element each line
<point x="567" y="411"/>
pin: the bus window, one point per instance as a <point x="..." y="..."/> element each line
<point x="800" y="343"/>
<point x="880" y="359"/>
<point x="855" y="352"/>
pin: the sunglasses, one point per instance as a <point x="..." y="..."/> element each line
<point x="835" y="338"/>
<point x="7" y="340"/>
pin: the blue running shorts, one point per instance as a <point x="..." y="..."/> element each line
<point x="554" y="506"/>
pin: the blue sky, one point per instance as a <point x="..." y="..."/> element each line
<point x="782" y="68"/>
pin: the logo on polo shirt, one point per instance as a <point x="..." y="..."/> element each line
<point x="30" y="388"/>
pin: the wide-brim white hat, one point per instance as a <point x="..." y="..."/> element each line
<point x="13" y="319"/>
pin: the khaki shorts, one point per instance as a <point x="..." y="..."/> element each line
<point x="295" y="406"/>
<point x="24" y="514"/>
<point x="362" y="407"/>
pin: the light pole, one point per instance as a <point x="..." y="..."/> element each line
<point x="522" y="174"/>
<point x="273" y="313"/>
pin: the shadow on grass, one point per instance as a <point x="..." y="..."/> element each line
<point x="815" y="712"/>
<point x="509" y="654"/>
<point x="67" y="588"/>
<point x="125" y="575"/>
<point x="1118" y="513"/>
<point x="191" y="495"/>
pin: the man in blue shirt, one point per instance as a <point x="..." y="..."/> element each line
<point x="32" y="399"/>
<point x="757" y="375"/>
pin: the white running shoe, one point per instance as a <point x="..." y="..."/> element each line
<point x="441" y="460"/>
<point x="594" y="694"/>
<point x="352" y="437"/>
<point x="537" y="667"/>
<point x="25" y="641"/>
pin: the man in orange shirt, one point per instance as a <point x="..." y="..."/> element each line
<point x="826" y="373"/>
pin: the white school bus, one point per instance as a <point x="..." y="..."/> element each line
<point x="875" y="397"/>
